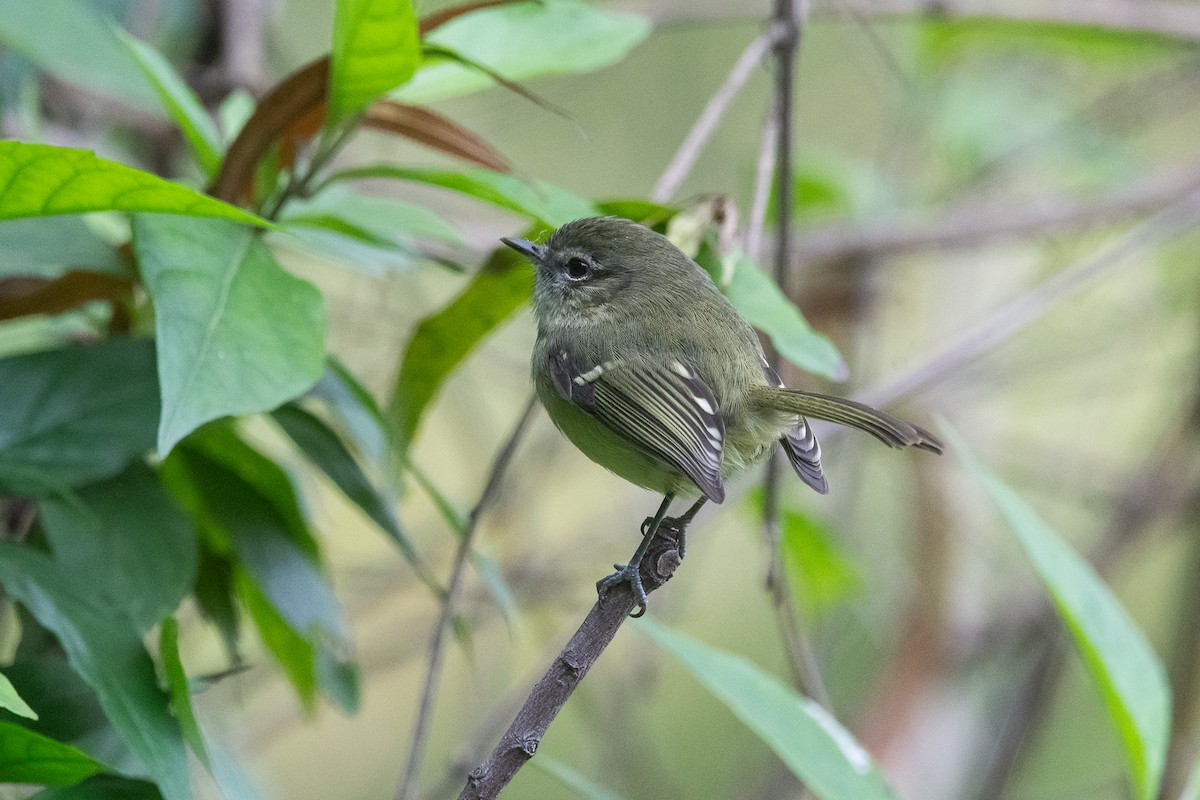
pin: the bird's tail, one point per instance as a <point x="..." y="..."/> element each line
<point x="883" y="426"/>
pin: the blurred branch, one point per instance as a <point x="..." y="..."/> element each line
<point x="454" y="587"/>
<point x="980" y="223"/>
<point x="685" y="158"/>
<point x="243" y="32"/>
<point x="550" y="693"/>
<point x="763" y="171"/>
<point x="1012" y="317"/>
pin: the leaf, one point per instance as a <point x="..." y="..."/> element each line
<point x="103" y="787"/>
<point x="757" y="298"/>
<point x="1115" y="653"/>
<point x="523" y="40"/>
<point x="323" y="447"/>
<point x="177" y="686"/>
<point x="28" y="757"/>
<point x="70" y="40"/>
<point x="821" y="574"/>
<point x="179" y="101"/>
<point x="538" y="200"/>
<point x="9" y="699"/>
<point x="128" y="542"/>
<point x="294" y="652"/>
<point x="384" y="219"/>
<point x="38" y="180"/>
<point x="107" y="652"/>
<point x="26" y="296"/>
<point x="434" y="130"/>
<point x="78" y="414"/>
<point x="48" y="246"/>
<point x="375" y="49"/>
<point x="568" y="777"/>
<point x="236" y="333"/>
<point x="360" y="416"/>
<point x="443" y="340"/>
<point x="813" y="745"/>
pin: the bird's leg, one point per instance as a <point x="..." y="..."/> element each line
<point x="681" y="523"/>
<point x="631" y="573"/>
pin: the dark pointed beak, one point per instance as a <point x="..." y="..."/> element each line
<point x="534" y="252"/>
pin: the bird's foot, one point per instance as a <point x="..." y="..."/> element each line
<point x="631" y="574"/>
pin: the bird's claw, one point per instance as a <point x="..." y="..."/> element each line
<point x="626" y="573"/>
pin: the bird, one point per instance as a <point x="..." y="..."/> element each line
<point x="643" y="364"/>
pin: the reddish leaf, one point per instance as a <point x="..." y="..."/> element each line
<point x="439" y="18"/>
<point x="289" y="102"/>
<point x="24" y="295"/>
<point x="432" y="129"/>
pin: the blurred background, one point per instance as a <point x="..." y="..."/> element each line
<point x="996" y="211"/>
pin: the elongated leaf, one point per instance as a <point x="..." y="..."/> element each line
<point x="1115" y="653"/>
<point x="236" y="333"/>
<point x="522" y="40"/>
<point x="177" y="685"/>
<point x="434" y="130"/>
<point x="353" y="406"/>
<point x="39" y="180"/>
<point x="385" y="219"/>
<point x="760" y="301"/>
<point x="326" y="451"/>
<point x="49" y="246"/>
<point x="179" y="101"/>
<point x="106" y="651"/>
<point x="441" y="341"/>
<point x="295" y="653"/>
<point x="28" y="757"/>
<point x="568" y="777"/>
<point x="10" y="700"/>
<point x="71" y="40"/>
<point x="78" y="414"/>
<point x="805" y="736"/>
<point x="375" y="49"/>
<point x="539" y="201"/>
<point x="127" y="541"/>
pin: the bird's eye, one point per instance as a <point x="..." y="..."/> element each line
<point x="578" y="269"/>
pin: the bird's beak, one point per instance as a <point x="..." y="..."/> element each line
<point x="534" y="252"/>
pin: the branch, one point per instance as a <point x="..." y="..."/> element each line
<point x="437" y="643"/>
<point x="550" y="693"/>
<point x="685" y="158"/>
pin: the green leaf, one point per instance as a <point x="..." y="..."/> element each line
<point x="71" y="40"/>
<point x="1115" y="653"/>
<point x="103" y="787"/>
<point x="325" y="449"/>
<point x="537" y="200"/>
<point x="28" y="757"/>
<point x="821" y="574"/>
<point x="441" y="341"/>
<point x="375" y="49"/>
<point x="760" y="301"/>
<point x="106" y="651"/>
<point x="77" y="414"/>
<point x="128" y="542"/>
<point x="49" y="246"/>
<point x="9" y="699"/>
<point x="383" y="218"/>
<point x="40" y="180"/>
<point x="179" y="101"/>
<point x="570" y="778"/>
<point x="522" y="40"/>
<point x="354" y="407"/>
<point x="236" y="333"/>
<point x="813" y="745"/>
<point x="177" y="686"/>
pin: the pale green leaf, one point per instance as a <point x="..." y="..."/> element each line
<point x="1115" y="653"/>
<point x="40" y="180"/>
<point x="179" y="101"/>
<point x="49" y="246"/>
<point x="522" y="40"/>
<point x="375" y="49"/>
<point x="29" y="757"/>
<point x="236" y="333"/>
<point x="804" y="735"/>
<point x="9" y="699"/>
<point x="578" y="784"/>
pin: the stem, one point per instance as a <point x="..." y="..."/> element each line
<point x="437" y="643"/>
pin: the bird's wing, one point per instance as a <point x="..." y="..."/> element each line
<point x="800" y="443"/>
<point x="665" y="409"/>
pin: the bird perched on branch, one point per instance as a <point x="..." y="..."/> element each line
<point x="645" y="366"/>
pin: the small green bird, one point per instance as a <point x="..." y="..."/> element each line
<point x="645" y="366"/>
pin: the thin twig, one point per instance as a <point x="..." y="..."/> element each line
<point x="454" y="585"/>
<point x="550" y="693"/>
<point x="764" y="169"/>
<point x="685" y="158"/>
